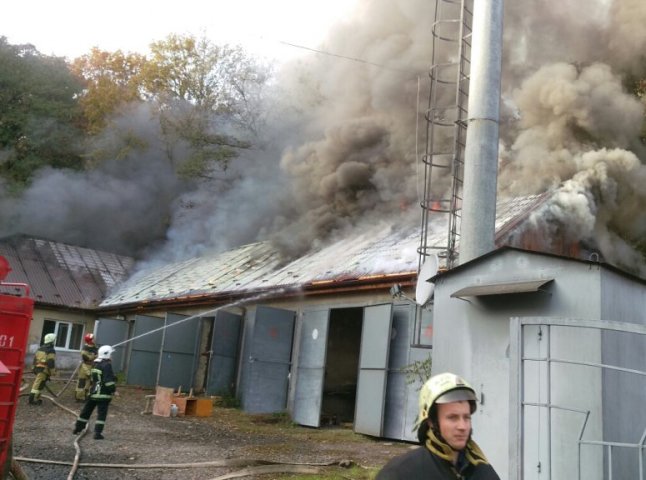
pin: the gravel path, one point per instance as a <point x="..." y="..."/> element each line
<point x="45" y="432"/>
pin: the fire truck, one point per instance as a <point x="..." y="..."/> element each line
<point x="16" y="310"/>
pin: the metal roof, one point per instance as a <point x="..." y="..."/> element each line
<point x="370" y="255"/>
<point x="258" y="267"/>
<point x="63" y="275"/>
<point x="526" y="286"/>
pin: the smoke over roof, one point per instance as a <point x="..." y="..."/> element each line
<point x="341" y="146"/>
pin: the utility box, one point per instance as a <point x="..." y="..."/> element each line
<point x="16" y="310"/>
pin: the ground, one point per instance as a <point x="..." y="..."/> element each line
<point x="44" y="443"/>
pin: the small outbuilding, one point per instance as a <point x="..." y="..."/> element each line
<point x="556" y="348"/>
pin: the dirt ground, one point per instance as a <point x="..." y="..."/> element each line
<point x="44" y="444"/>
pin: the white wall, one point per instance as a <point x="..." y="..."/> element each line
<point x="472" y="339"/>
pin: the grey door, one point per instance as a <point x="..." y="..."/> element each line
<point x="144" y="355"/>
<point x="178" y="359"/>
<point x="225" y="344"/>
<point x="398" y="423"/>
<point x="373" y="364"/>
<point x="110" y="331"/>
<point x="269" y="361"/>
<point x="310" y="374"/>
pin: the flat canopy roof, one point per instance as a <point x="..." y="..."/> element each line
<point x="501" y="288"/>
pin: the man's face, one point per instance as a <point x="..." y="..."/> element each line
<point x="455" y="423"/>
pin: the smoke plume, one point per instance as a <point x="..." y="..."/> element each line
<point x="341" y="145"/>
<point x="573" y="124"/>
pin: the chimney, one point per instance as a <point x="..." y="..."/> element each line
<point x="477" y="235"/>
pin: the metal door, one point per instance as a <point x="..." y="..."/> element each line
<point x="178" y="359"/>
<point x="576" y="399"/>
<point x="110" y="331"/>
<point x="144" y="356"/>
<point x="269" y="361"/>
<point x="373" y="364"/>
<point x="225" y="345"/>
<point x="310" y="374"/>
<point x="398" y="423"/>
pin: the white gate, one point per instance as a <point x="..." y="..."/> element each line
<point x="577" y="395"/>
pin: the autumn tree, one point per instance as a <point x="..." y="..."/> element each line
<point x="111" y="80"/>
<point x="206" y="95"/>
<point x="39" y="115"/>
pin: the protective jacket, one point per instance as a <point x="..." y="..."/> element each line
<point x="103" y="381"/>
<point x="88" y="353"/>
<point x="421" y="463"/>
<point x="45" y="360"/>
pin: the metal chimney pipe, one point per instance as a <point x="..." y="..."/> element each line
<point x="477" y="235"/>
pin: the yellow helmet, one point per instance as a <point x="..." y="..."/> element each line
<point x="444" y="388"/>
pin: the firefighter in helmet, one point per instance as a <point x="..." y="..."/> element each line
<point x="446" y="403"/>
<point x="44" y="367"/>
<point x="88" y="354"/>
<point x="104" y="385"/>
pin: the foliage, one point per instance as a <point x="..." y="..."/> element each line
<point x="203" y="96"/>
<point x="418" y="371"/>
<point x="204" y="92"/>
<point x="39" y="115"/>
<point x="339" y="473"/>
<point x="111" y="79"/>
<point x="640" y="91"/>
<point x="228" y="400"/>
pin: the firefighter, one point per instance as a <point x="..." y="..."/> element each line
<point x="44" y="368"/>
<point x="446" y="403"/>
<point x="88" y="354"/>
<point x="102" y="388"/>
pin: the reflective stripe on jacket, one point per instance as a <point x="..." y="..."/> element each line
<point x="103" y="381"/>
<point x="45" y="359"/>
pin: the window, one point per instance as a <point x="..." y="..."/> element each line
<point x="423" y="335"/>
<point x="68" y="335"/>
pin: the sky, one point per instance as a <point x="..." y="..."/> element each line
<point x="70" y="28"/>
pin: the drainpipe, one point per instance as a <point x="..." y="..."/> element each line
<point x="477" y="235"/>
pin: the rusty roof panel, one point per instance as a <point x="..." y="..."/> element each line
<point x="63" y="275"/>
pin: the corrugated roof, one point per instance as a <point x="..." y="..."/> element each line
<point x="378" y="252"/>
<point x="63" y="275"/>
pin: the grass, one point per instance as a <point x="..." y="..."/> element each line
<point x="337" y="473"/>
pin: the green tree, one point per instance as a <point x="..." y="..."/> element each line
<point x="40" y="118"/>
<point x="206" y="95"/>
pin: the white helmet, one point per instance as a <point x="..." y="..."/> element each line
<point x="105" y="352"/>
<point x="50" y="338"/>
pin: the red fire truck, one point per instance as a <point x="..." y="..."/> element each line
<point x="16" y="309"/>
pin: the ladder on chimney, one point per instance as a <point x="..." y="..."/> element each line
<point x="446" y="125"/>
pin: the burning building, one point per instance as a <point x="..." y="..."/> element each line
<point x="282" y="276"/>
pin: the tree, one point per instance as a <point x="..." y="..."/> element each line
<point x="111" y="80"/>
<point x="640" y="91"/>
<point x="39" y="115"/>
<point x="205" y="94"/>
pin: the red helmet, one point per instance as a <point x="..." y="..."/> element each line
<point x="89" y="338"/>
